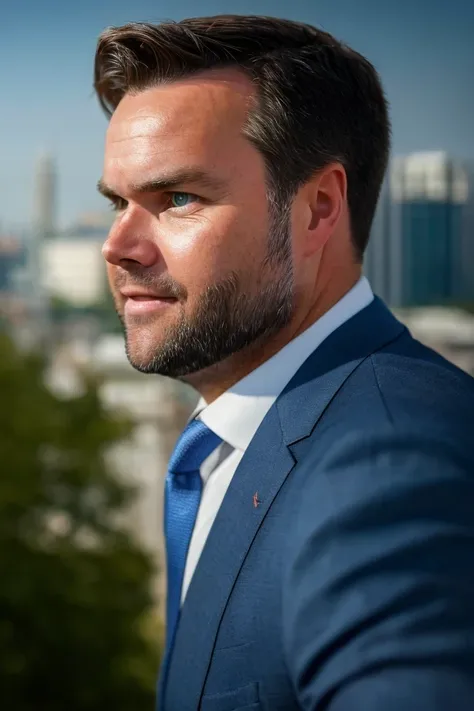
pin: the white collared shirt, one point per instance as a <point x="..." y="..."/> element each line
<point x="238" y="413"/>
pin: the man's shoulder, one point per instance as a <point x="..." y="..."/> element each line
<point x="408" y="356"/>
<point x="401" y="424"/>
<point x="406" y="384"/>
<point x="402" y="402"/>
<point x="418" y="385"/>
<point x="381" y="519"/>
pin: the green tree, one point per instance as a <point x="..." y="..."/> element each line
<point x="75" y="602"/>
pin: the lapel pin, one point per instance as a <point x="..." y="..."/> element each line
<point x="256" y="500"/>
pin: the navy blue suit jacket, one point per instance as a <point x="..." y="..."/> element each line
<point x="350" y="586"/>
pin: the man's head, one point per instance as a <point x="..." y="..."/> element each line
<point x="240" y="152"/>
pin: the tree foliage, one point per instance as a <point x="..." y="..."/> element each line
<point x="75" y="601"/>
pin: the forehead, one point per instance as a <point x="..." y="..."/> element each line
<point x="198" y="120"/>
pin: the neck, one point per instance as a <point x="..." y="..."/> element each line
<point x="212" y="382"/>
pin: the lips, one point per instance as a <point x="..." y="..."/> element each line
<point x="141" y="297"/>
<point x="139" y="303"/>
<point x="144" y="295"/>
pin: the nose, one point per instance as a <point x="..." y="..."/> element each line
<point x="128" y="241"/>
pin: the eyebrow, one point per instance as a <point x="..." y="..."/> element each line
<point x="168" y="182"/>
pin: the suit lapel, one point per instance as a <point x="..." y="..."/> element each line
<point x="265" y="466"/>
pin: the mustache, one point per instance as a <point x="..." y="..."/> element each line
<point x="162" y="284"/>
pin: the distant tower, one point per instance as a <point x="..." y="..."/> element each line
<point x="43" y="227"/>
<point x="44" y="219"/>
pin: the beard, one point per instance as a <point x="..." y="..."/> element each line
<point x="226" y="320"/>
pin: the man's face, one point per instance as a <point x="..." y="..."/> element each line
<point x="188" y="254"/>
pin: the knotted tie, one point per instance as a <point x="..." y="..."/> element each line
<point x="182" y="497"/>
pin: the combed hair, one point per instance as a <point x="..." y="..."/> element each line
<point x="318" y="101"/>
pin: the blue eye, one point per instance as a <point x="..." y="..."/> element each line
<point x="181" y="199"/>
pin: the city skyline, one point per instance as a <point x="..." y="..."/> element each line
<point x="423" y="54"/>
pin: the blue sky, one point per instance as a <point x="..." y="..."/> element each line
<point x="424" y="50"/>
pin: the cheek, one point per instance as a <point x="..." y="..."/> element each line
<point x="201" y="250"/>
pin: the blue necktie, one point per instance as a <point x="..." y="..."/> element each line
<point x="182" y="497"/>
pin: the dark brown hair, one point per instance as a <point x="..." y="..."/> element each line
<point x="318" y="101"/>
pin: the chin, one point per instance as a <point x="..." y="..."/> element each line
<point x="139" y="355"/>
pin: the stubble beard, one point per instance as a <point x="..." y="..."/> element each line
<point x="227" y="321"/>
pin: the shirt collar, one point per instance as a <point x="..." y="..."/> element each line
<point x="237" y="414"/>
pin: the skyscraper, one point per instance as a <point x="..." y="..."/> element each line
<point x="43" y="227"/>
<point x="44" y="217"/>
<point x="468" y="239"/>
<point x="417" y="248"/>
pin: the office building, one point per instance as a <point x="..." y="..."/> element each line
<point x="73" y="269"/>
<point x="416" y="255"/>
<point x="468" y="240"/>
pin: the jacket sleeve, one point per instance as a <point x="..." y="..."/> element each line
<point x="378" y="584"/>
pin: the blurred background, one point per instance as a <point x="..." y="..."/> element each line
<point x="84" y="439"/>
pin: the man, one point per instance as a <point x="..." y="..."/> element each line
<point x="319" y="511"/>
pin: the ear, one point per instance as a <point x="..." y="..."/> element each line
<point x="324" y="204"/>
